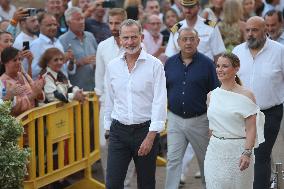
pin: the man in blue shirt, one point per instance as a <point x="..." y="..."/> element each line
<point x="190" y="77"/>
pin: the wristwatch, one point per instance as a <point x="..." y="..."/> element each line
<point x="107" y="135"/>
<point x="247" y="152"/>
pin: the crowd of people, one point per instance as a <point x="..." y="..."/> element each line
<point x="214" y="70"/>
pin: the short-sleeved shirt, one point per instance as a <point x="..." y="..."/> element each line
<point x="84" y="76"/>
<point x="211" y="43"/>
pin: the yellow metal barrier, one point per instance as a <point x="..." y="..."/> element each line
<point x="64" y="139"/>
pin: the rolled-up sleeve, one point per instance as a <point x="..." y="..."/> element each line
<point x="159" y="104"/>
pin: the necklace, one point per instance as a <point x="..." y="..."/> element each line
<point x="231" y="88"/>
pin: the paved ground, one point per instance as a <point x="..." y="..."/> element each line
<point x="192" y="183"/>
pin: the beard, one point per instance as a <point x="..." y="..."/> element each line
<point x="132" y="50"/>
<point x="254" y="43"/>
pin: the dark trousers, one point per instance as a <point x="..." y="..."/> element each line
<point x="262" y="167"/>
<point x="124" y="143"/>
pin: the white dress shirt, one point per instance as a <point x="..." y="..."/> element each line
<point x="18" y="44"/>
<point x="211" y="43"/>
<point x="264" y="74"/>
<point x="107" y="50"/>
<point x="137" y="96"/>
<point x="39" y="46"/>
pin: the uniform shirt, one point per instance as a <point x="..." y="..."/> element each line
<point x="18" y="44"/>
<point x="138" y="96"/>
<point x="39" y="46"/>
<point x="84" y="76"/>
<point x="103" y="57"/>
<point x="211" y="43"/>
<point x="264" y="74"/>
<point x="188" y="86"/>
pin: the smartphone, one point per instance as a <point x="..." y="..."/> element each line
<point x="108" y="4"/>
<point x="32" y="11"/>
<point x="26" y="45"/>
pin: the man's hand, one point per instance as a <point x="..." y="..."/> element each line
<point x="20" y="13"/>
<point x="87" y="60"/>
<point x="147" y="144"/>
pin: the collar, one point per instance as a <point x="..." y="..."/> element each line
<point x="264" y="46"/>
<point x="53" y="73"/>
<point x="73" y="36"/>
<point x="47" y="39"/>
<point x="193" y="57"/>
<point x="27" y="36"/>
<point x="281" y="37"/>
<point x="199" y="21"/>
<point x="142" y="56"/>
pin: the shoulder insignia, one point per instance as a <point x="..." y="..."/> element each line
<point x="210" y="23"/>
<point x="175" y="28"/>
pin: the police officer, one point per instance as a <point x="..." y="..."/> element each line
<point x="211" y="43"/>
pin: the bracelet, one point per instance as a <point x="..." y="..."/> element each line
<point x="13" y="22"/>
<point x="247" y="152"/>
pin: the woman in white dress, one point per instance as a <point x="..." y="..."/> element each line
<point x="236" y="125"/>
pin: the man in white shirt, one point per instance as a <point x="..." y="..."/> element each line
<point x="46" y="39"/>
<point x="103" y="56"/>
<point x="30" y="29"/>
<point x="135" y="110"/>
<point x="262" y="71"/>
<point x="211" y="43"/>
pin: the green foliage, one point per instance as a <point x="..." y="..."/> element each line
<point x="13" y="160"/>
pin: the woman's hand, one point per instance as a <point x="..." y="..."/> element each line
<point x="244" y="162"/>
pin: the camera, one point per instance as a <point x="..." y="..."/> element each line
<point x="108" y="4"/>
<point x="31" y="11"/>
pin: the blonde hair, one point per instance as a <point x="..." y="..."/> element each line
<point x="134" y="3"/>
<point x="232" y="11"/>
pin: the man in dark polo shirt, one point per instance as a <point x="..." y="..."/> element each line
<point x="190" y="77"/>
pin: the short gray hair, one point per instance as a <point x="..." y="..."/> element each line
<point x="187" y="29"/>
<point x="68" y="13"/>
<point x="130" y="22"/>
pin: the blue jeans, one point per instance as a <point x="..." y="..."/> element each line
<point x="124" y="143"/>
<point x="262" y="167"/>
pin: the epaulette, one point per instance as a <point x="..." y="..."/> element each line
<point x="175" y="28"/>
<point x="210" y="23"/>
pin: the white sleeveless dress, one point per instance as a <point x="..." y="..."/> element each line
<point x="226" y="113"/>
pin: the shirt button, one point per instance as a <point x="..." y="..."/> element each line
<point x="183" y="112"/>
<point x="183" y="82"/>
<point x="183" y="93"/>
<point x="182" y="103"/>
